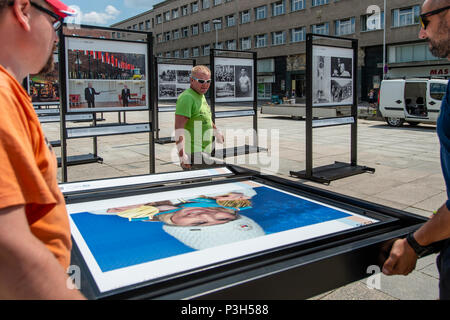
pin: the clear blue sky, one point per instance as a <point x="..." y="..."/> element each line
<point x="107" y="12"/>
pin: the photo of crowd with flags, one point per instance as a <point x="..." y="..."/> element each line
<point x="90" y="64"/>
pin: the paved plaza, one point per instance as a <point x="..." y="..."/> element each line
<point x="406" y="161"/>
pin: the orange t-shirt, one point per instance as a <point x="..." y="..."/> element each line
<point x="28" y="170"/>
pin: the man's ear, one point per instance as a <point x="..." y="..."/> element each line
<point x="21" y="9"/>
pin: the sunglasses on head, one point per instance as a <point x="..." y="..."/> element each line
<point x="424" y="16"/>
<point x="201" y="81"/>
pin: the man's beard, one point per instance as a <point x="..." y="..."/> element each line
<point x="49" y="65"/>
<point x="441" y="48"/>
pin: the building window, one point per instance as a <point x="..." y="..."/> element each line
<point x="278" y="8"/>
<point x="168" y="54"/>
<point x="405" y="16"/>
<point x="159" y="38"/>
<point x="218" y="46"/>
<point x="175" y="13"/>
<point x="194" y="30"/>
<point x="298" y="34"/>
<point x="297" y="5"/>
<point x="344" y="26"/>
<point x="185" y="32"/>
<point x="176" y="34"/>
<point x="217" y="24"/>
<point x="231" y="44"/>
<point x="278" y="38"/>
<point x="245" y="16"/>
<point x="167" y="36"/>
<point x="167" y="16"/>
<point x="158" y="19"/>
<point x="246" y="43"/>
<point x="217" y="2"/>
<point x="195" y="52"/>
<point x="185" y="53"/>
<point x="410" y="53"/>
<point x="176" y="54"/>
<point x="206" y="27"/>
<point x="184" y="10"/>
<point x="205" y="4"/>
<point x="315" y="3"/>
<point x="370" y="22"/>
<point x="231" y="21"/>
<point x="322" y="28"/>
<point x="206" y="50"/>
<point x="261" y="41"/>
<point x="147" y="24"/>
<point x="134" y="26"/>
<point x="261" y="13"/>
<point x="194" y="7"/>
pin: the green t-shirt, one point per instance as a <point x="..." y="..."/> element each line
<point x="199" y="127"/>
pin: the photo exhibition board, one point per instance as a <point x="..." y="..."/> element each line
<point x="332" y="76"/>
<point x="173" y="79"/>
<point x="106" y="74"/>
<point x="129" y="240"/>
<point x="234" y="80"/>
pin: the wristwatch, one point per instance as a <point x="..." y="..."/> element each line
<point x="418" y="249"/>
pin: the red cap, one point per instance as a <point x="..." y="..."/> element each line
<point x="60" y="8"/>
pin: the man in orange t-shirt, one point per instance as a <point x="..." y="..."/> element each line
<point x="34" y="228"/>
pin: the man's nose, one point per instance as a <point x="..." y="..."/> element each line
<point x="423" y="33"/>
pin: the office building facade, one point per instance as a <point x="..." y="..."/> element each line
<point x="277" y="30"/>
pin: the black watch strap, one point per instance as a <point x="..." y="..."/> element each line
<point x="418" y="249"/>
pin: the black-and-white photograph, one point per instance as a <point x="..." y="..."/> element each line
<point x="243" y="81"/>
<point x="332" y="76"/>
<point x="168" y="76"/>
<point x="224" y="90"/>
<point x="224" y="73"/>
<point x="342" y="91"/>
<point x="167" y="90"/>
<point x="321" y="88"/>
<point x="341" y="67"/>
<point x="183" y="76"/>
<point x="234" y="79"/>
<point x="173" y="79"/>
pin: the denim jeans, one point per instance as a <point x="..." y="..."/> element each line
<point x="443" y="265"/>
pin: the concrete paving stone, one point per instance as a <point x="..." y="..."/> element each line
<point x="432" y="203"/>
<point x="355" y="291"/>
<point x="408" y="194"/>
<point x="415" y="286"/>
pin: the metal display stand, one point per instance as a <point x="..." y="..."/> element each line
<point x="297" y="270"/>
<point x="244" y="56"/>
<point x="326" y="174"/>
<point x="97" y="130"/>
<point x="169" y="61"/>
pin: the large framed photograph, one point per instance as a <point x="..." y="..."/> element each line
<point x="125" y="241"/>
<point x="332" y="76"/>
<point x="44" y="87"/>
<point x="173" y="79"/>
<point x="233" y="79"/>
<point x="106" y="74"/>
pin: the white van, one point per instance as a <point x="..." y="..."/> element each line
<point x="411" y="100"/>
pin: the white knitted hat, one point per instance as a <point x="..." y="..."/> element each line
<point x="199" y="238"/>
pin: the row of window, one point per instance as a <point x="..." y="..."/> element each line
<point x="277" y="8"/>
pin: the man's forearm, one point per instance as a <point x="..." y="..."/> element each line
<point x="436" y="229"/>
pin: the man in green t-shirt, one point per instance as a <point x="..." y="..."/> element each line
<point x="194" y="128"/>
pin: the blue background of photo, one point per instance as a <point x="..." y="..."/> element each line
<point x="116" y="242"/>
